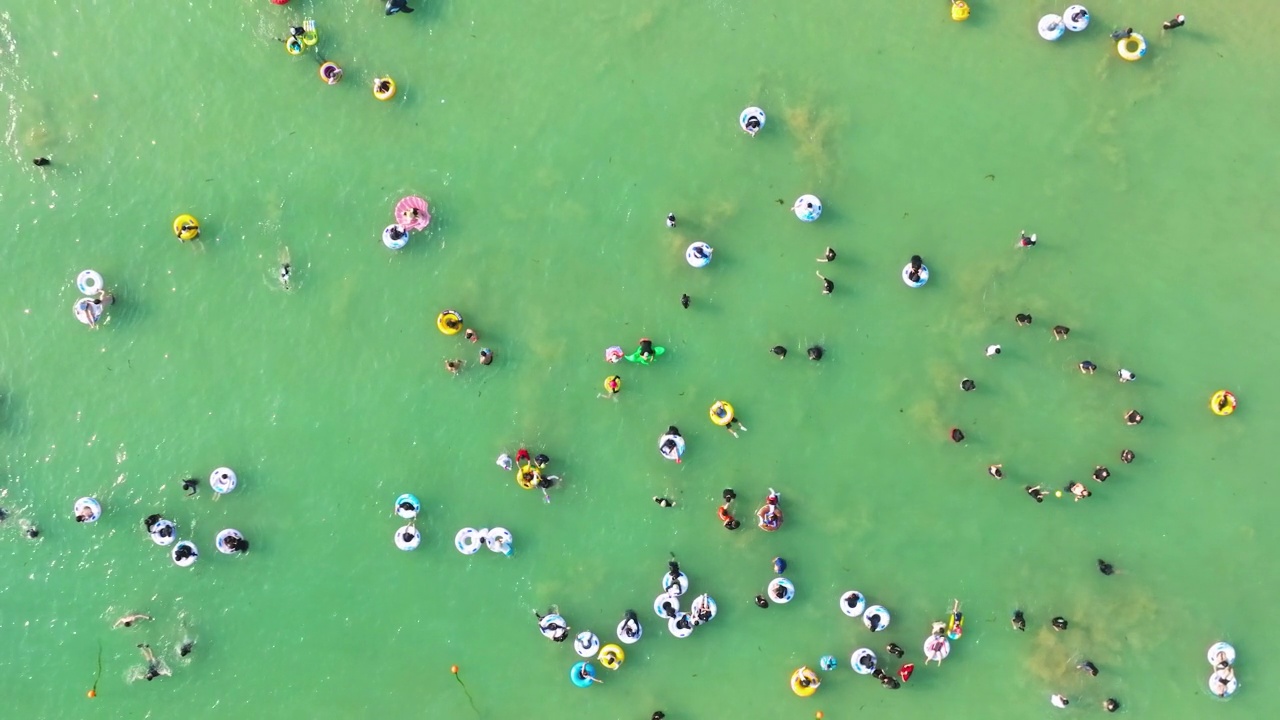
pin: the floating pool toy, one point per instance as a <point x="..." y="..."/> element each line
<point x="936" y="648"/>
<point x="449" y="322"/>
<point x="468" y="541"/>
<point x="955" y="625"/>
<point x="408" y="506"/>
<point x="959" y="10"/>
<point x="751" y="120"/>
<point x="1075" y="18"/>
<point x="788" y="590"/>
<point x="905" y="671"/>
<point x="666" y="599"/>
<point x="551" y="625"/>
<point x="184" y="554"/>
<point x="680" y="626"/>
<point x="408" y="538"/>
<point x="89" y="282"/>
<point x="499" y="540"/>
<point x="384" y="88"/>
<point x="223" y="541"/>
<point x="676" y="587"/>
<point x="1220" y="652"/>
<point x="808" y="208"/>
<point x="1223" y="403"/>
<point x="186" y="227"/>
<point x="671" y="447"/>
<point x="309" y="35"/>
<point x="223" y="480"/>
<point x="331" y="73"/>
<point x="1223" y="683"/>
<point x="612" y="384"/>
<point x="876" y="618"/>
<point x="923" y="276"/>
<point x="395" y="237"/>
<point x="87" y="311"/>
<point x="163" y="532"/>
<point x="805" y="682"/>
<point x="635" y="357"/>
<point x="412" y="213"/>
<point x="612" y="657"/>
<point x="586" y="644"/>
<point x="89" y="509"/>
<point x="293" y="45"/>
<point x="852" y="603"/>
<point x="1132" y="48"/>
<point x="698" y="254"/>
<point x="721" y="413"/>
<point x="828" y="663"/>
<point x="528" y="477"/>
<point x="703" y="608"/>
<point x="582" y="675"/>
<point x="629" y="629"/>
<point x="863" y="661"/>
<point x="613" y="354"/>
<point x="1051" y="27"/>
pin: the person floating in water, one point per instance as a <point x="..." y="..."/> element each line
<point x="285" y="271"/>
<point x="1036" y="493"/>
<point x="486" y="356"/>
<point x="1025" y="240"/>
<point x="453" y="366"/>
<point x="1060" y="332"/>
<point x="1105" y="567"/>
<point x="828" y="256"/>
<point x="720" y="410"/>
<point x="1133" y="417"/>
<point x="1019" y="621"/>
<point x="993" y="350"/>
<point x="780" y="351"/>
<point x="1022" y="319"/>
<point x="725" y="513"/>
<point x="968" y="385"/>
<point x="816" y="352"/>
<point x="671" y="220"/>
<point x="1176" y="22"/>
<point x="752" y="125"/>
<point x="827" y="285"/>
<point x="154" y="668"/>
<point x="1101" y="473"/>
<point x="995" y="471"/>
<point x="398" y="6"/>
<point x="684" y="301"/>
<point x="558" y="632"/>
<point x="1119" y="35"/>
<point x="130" y="620"/>
<point x="1087" y="367"/>
<point x="41" y="162"/>
<point x="664" y="502"/>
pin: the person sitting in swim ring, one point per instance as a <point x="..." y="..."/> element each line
<point x="770" y="514"/>
<point x="780" y="592"/>
<point x="164" y="531"/>
<point x="753" y="124"/>
<point x="646" y="350"/>
<point x="382" y="87"/>
<point x="913" y="272"/>
<point x="673" y="571"/>
<point x="541" y="461"/>
<point x="667" y="608"/>
<point x="719" y="410"/>
<point x="331" y="73"/>
<point x="452" y="322"/>
<point x="84" y="514"/>
<point x="235" y="543"/>
<point x="182" y="552"/>
<point x="669" y="445"/>
<point x="558" y="632"/>
<point x="630" y="624"/>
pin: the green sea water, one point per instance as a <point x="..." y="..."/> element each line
<point x="551" y="141"/>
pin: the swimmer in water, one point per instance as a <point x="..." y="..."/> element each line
<point x="1088" y="667"/>
<point x="1101" y="474"/>
<point x="185" y="648"/>
<point x="154" y="668"/>
<point x="471" y="335"/>
<point x="1019" y="621"/>
<point x="1087" y="367"/>
<point x="684" y="301"/>
<point x="558" y="632"/>
<point x="780" y="351"/>
<point x="726" y="517"/>
<point x="33" y="532"/>
<point x="762" y="601"/>
<point x="486" y="356"/>
<point x="1059" y="701"/>
<point x="383" y="87"/>
<point x="993" y="350"/>
<point x="646" y="350"/>
<point x="957" y="435"/>
<point x="671" y="220"/>
<point x="285" y="270"/>
<point x="1125" y="376"/>
<point x="191" y="485"/>
<point x="1025" y="240"/>
<point x="894" y="650"/>
<point x="995" y="471"/>
<point x="916" y="264"/>
<point x="1105" y="567"/>
<point x="1079" y="490"/>
<point x="612" y="386"/>
<point x="41" y="162"/>
<point x="1059" y="623"/>
<point x="1119" y="35"/>
<point x="630" y="625"/>
<point x="129" y="620"/>
<point x="968" y="385"/>
<point x="398" y="6"/>
<point x="827" y="285"/>
<point x="664" y="502"/>
<point x="1133" y="417"/>
<point x="828" y="256"/>
<point x="237" y="544"/>
<point x="874" y="621"/>
<point x="719" y="410"/>
<point x="1126" y="456"/>
<point x="659" y="715"/>
<point x="1110" y="705"/>
<point x="1176" y="22"/>
<point x="816" y="352"/>
<point x="1060" y="332"/>
<point x="1036" y="493"/>
<point x="453" y="366"/>
<point x="1022" y="319"/>
<point x="504" y="462"/>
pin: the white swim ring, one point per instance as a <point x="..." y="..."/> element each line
<point x="468" y="541"/>
<point x="869" y="618"/>
<point x="788" y="590"/>
<point x="807" y="207"/>
<point x="1051" y="27"/>
<point x="89" y="282"/>
<point x="924" y="275"/>
<point x="674" y="625"/>
<point x="408" y="537"/>
<point x="586" y="644"/>
<point x="1221" y="648"/>
<point x="624" y="637"/>
<point x="1223" y="683"/>
<point x="221" y="541"/>
<point x="674" y="454"/>
<point x="223" y="480"/>
<point x="746" y="115"/>
<point x="499" y="540"/>
<point x="698" y="254"/>
<point x="545" y="623"/>
<point x="184" y="554"/>
<point x="1075" y="18"/>
<point x="852" y="603"/>
<point x="936" y="648"/>
<point x="395" y="237"/>
<point x="666" y="598"/>
<point x="702" y="605"/>
<point x="87" y="311"/>
<point x="91" y="505"/>
<point x="676" y="587"/>
<point x="858" y="661"/>
<point x="163" y="532"/>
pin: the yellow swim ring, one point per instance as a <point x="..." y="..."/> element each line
<point x="721" y="413"/>
<point x="186" y="227"/>
<point x="309" y="35"/>
<point x="612" y="384"/>
<point x="384" y="88"/>
<point x="527" y="477"/>
<point x="611" y="656"/>
<point x="959" y="10"/>
<point x="293" y="46"/>
<point x="804" y="682"/>
<point x="1132" y="48"/>
<point x="1223" y="403"/>
<point x="449" y="322"/>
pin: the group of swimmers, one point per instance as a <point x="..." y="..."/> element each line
<point x="153" y="667"/>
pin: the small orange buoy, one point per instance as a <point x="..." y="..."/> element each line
<point x="92" y="693"/>
<point x="453" y="669"/>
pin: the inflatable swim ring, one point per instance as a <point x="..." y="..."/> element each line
<point x="186" y="227"/>
<point x="612" y="384"/>
<point x="293" y="46"/>
<point x="163" y="532"/>
<point x="528" y="477"/>
<point x="936" y="648"/>
<point x="612" y="657"/>
<point x="586" y="644"/>
<point x="748" y="114"/>
<point x="331" y="73"/>
<point x="1132" y="48"/>
<point x="184" y="554"/>
<point x="411" y="512"/>
<point x="582" y="675"/>
<point x="788" y="590"/>
<point x="546" y="621"/>
<point x="1051" y="27"/>
<point x="636" y="357"/>
<point x="223" y="480"/>
<point x="309" y="35"/>
<point x="1075" y="18"/>
<point x="804" y="682"/>
<point x="924" y="275"/>
<point x="468" y="541"/>
<point x="765" y="511"/>
<point x="413" y="213"/>
<point x="869" y="618"/>
<point x="675" y="587"/>
<point x="622" y="632"/>
<point x="613" y="354"/>
<point x="680" y="626"/>
<point x="852" y="603"/>
<point x="414" y="538"/>
<point x="1221" y="648"/>
<point x="92" y="506"/>
<point x="808" y="208"/>
<point x="698" y="254"/>
<point x="859" y="661"/>
<point x="673" y="454"/>
<point x="499" y="540"/>
<point x="721" y="413"/>
<point x="703" y="608"/>
<point x="220" y="541"/>
<point x="449" y="322"/>
<point x="828" y="662"/>
<point x="87" y="311"/>
<point x="959" y="10"/>
<point x="666" y="598"/>
<point x="1223" y="683"/>
<point x="381" y="93"/>
<point x="1223" y="403"/>
<point x="395" y="237"/>
<point x="89" y="282"/>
